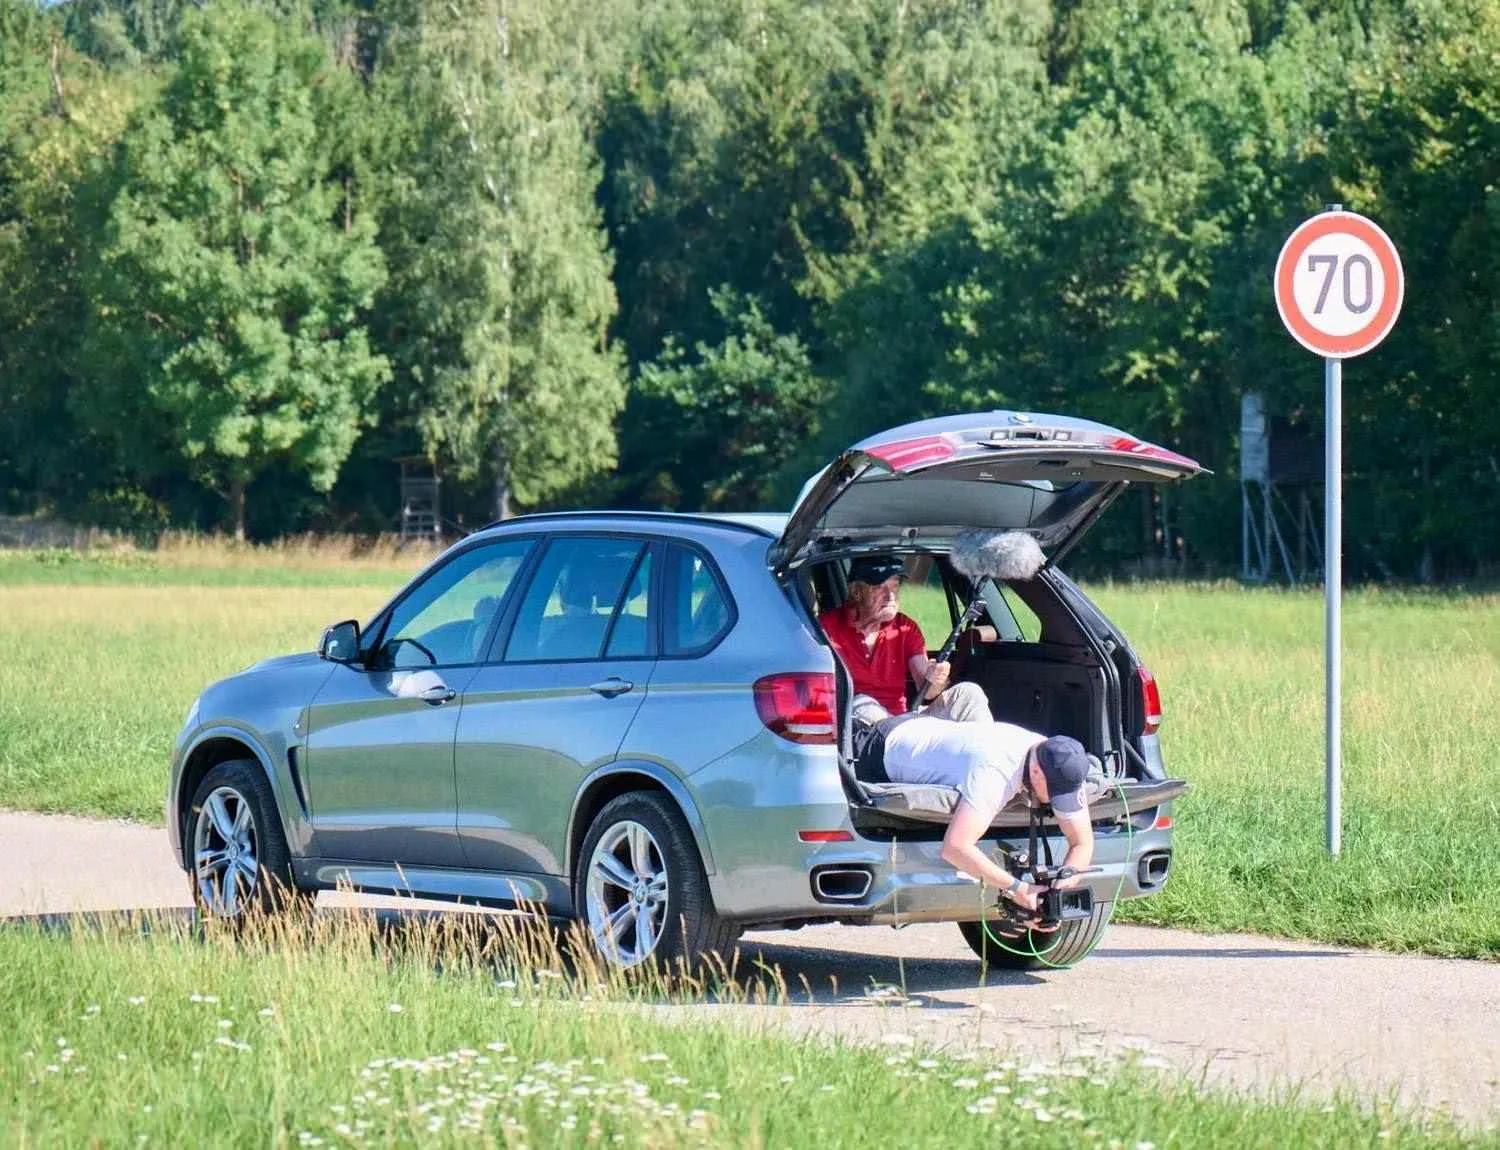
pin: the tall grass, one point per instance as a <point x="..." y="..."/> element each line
<point x="1242" y="678"/>
<point x="100" y="670"/>
<point x="463" y="1031"/>
<point x="1241" y="673"/>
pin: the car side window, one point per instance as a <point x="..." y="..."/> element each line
<point x="579" y="585"/>
<point x="630" y="634"/>
<point x="698" y="610"/>
<point x="446" y="620"/>
<point x="1013" y="620"/>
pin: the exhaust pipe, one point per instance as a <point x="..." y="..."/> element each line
<point x="842" y="883"/>
<point x="1152" y="870"/>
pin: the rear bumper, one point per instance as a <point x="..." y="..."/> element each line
<point x="910" y="882"/>
<point x="754" y="807"/>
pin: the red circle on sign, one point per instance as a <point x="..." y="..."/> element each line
<point x="1308" y="233"/>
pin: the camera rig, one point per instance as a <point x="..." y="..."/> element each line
<point x="1055" y="904"/>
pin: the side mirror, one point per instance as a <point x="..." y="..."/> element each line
<point x="340" y="642"/>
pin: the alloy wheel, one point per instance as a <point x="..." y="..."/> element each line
<point x="225" y="868"/>
<point x="626" y="893"/>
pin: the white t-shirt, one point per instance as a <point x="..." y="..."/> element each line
<point x="983" y="760"/>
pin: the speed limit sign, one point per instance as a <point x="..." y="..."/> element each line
<point x="1339" y="284"/>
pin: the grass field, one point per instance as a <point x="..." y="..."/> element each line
<point x="106" y="652"/>
<point x="438" y="1036"/>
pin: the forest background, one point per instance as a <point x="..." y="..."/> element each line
<point x="678" y="254"/>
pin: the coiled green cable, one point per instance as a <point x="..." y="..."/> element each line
<point x="1041" y="955"/>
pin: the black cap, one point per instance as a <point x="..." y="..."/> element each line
<point x="875" y="569"/>
<point x="1065" y="766"/>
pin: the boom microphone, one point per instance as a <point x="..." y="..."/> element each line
<point x="981" y="555"/>
<point x="998" y="554"/>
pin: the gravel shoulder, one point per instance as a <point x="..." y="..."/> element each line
<point x="1253" y="1013"/>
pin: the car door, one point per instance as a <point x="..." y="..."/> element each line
<point x="554" y="701"/>
<point x="379" y="742"/>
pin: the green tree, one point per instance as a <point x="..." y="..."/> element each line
<point x="775" y="148"/>
<point x="1418" y="149"/>
<point x="227" y="332"/>
<point x="60" y="116"/>
<point x="731" y="414"/>
<point x="499" y="303"/>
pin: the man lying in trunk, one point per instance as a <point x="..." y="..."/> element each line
<point x="988" y="764"/>
<point x="880" y="646"/>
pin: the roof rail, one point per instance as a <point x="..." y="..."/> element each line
<point x="706" y="518"/>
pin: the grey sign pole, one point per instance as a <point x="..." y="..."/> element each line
<point x="1333" y="588"/>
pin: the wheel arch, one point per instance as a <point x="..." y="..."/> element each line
<point x="215" y="746"/>
<point x="621" y="778"/>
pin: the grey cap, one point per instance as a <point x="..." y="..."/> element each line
<point x="1065" y="766"/>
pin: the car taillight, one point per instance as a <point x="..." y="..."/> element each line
<point x="905" y="454"/>
<point x="1150" y="701"/>
<point x="797" y="705"/>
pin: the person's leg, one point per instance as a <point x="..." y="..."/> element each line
<point x="962" y="703"/>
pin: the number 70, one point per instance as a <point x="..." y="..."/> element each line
<point x="1331" y="263"/>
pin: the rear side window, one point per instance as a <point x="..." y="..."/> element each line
<point x="630" y="636"/>
<point x="580" y="585"/>
<point x="1013" y="619"/>
<point x="698" y="609"/>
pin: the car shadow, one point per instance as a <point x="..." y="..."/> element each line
<point x="817" y="976"/>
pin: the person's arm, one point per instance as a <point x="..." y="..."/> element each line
<point x="961" y="850"/>
<point x="1079" y="831"/>
<point x="931" y="677"/>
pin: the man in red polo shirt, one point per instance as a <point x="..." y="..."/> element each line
<point x="880" y="647"/>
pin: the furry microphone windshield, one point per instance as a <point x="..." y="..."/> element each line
<point x="1002" y="555"/>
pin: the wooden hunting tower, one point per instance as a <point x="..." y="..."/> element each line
<point x="421" y="514"/>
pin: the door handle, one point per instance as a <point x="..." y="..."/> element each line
<point x="438" y="693"/>
<point x="610" y="687"/>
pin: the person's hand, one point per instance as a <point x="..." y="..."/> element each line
<point x="937" y="678"/>
<point x="1067" y="883"/>
<point x="1028" y="897"/>
<point x="1024" y="896"/>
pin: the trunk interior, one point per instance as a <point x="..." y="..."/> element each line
<point x="1062" y="681"/>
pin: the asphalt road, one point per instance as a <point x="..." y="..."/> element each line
<point x="1247" y="1012"/>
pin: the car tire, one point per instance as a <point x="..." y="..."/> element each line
<point x="640" y="890"/>
<point x="1036" y="949"/>
<point x="238" y="861"/>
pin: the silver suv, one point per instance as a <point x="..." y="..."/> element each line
<point x="634" y="719"/>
